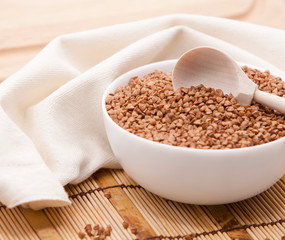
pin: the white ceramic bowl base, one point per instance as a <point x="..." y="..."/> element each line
<point x="188" y="175"/>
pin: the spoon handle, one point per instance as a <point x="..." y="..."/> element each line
<point x="270" y="100"/>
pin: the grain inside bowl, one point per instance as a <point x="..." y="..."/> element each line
<point x="196" y="117"/>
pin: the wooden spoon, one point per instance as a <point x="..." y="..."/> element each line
<point x="213" y="68"/>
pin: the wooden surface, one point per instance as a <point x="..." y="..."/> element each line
<point x="259" y="218"/>
<point x="26" y="26"/>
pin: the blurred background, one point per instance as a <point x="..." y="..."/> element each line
<point x="26" y="26"/>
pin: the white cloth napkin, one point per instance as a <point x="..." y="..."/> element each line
<point x="51" y="128"/>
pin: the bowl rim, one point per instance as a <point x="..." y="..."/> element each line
<point x="162" y="145"/>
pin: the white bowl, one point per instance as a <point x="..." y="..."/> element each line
<point x="188" y="175"/>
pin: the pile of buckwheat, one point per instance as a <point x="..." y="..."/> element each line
<point x="196" y="117"/>
<point x="96" y="232"/>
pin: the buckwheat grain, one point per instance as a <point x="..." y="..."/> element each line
<point x="196" y="117"/>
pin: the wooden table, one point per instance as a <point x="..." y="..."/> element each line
<point x="26" y="26"/>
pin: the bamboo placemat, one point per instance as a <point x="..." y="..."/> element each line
<point x="261" y="217"/>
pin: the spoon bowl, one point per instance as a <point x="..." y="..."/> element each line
<point x="197" y="176"/>
<point x="214" y="68"/>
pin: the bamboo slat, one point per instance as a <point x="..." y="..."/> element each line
<point x="259" y="218"/>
